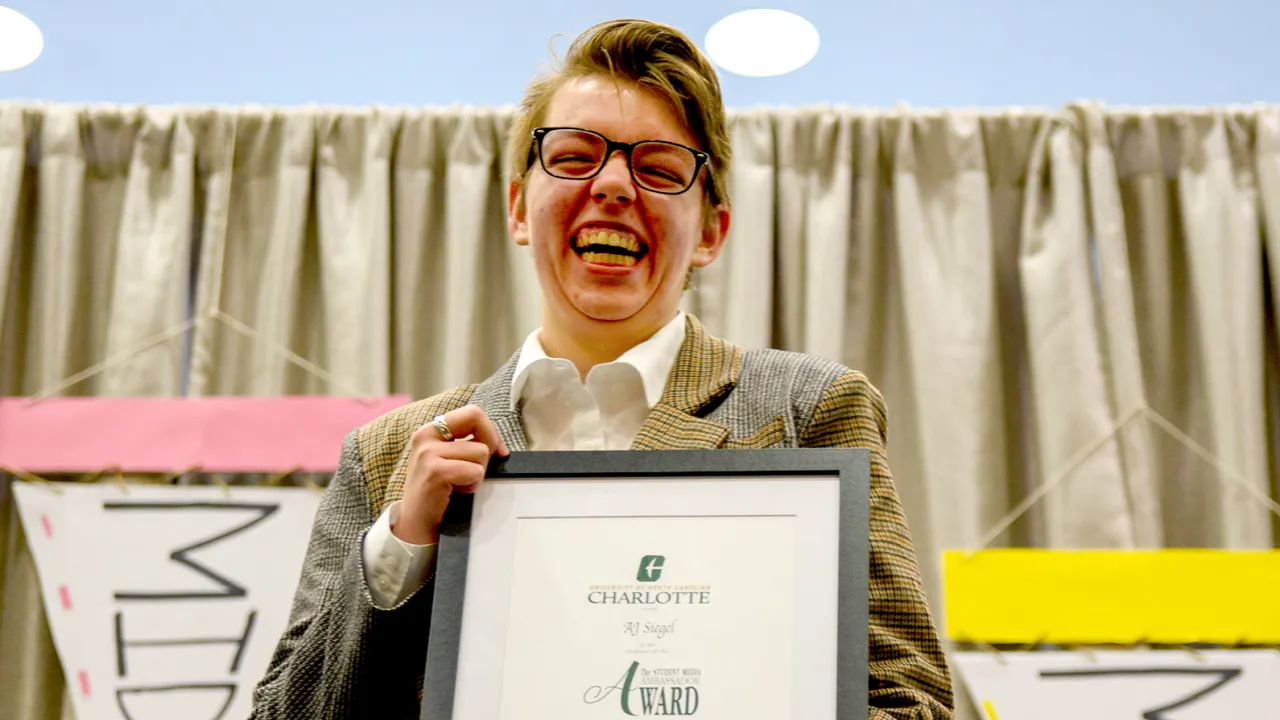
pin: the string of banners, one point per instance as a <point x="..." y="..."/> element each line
<point x="166" y="601"/>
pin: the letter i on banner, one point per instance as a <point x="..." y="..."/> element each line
<point x="164" y="601"/>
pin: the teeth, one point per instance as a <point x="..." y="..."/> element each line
<point x="623" y="240"/>
<point x="601" y="258"/>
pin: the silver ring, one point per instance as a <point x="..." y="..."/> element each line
<point x="442" y="427"/>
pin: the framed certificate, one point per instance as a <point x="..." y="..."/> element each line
<point x="722" y="585"/>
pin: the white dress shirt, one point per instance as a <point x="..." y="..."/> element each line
<point x="560" y="412"/>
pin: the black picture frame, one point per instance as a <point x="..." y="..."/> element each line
<point x="850" y="465"/>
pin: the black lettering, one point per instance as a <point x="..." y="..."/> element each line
<point x="181" y="555"/>
<point x="240" y="643"/>
<point x="646" y="699"/>
<point x="690" y="700"/>
<point x="675" y="702"/>
<point x="228" y="688"/>
<point x="1225" y="676"/>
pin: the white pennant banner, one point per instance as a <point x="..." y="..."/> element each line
<point x="166" y="601"/>
<point x="1124" y="685"/>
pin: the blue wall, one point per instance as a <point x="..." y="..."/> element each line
<point x="937" y="53"/>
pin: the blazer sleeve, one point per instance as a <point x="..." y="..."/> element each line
<point x="341" y="657"/>
<point x="909" y="677"/>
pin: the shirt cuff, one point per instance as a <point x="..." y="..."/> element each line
<point x="393" y="568"/>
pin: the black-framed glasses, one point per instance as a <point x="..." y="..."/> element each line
<point x="656" y="165"/>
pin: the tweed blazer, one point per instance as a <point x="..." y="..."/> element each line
<point x="343" y="657"/>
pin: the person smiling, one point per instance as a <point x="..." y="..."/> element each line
<point x="617" y="191"/>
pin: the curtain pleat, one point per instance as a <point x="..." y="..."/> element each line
<point x="1218" y="193"/>
<point x="1077" y="307"/>
<point x="1267" y="151"/>
<point x="147" y="298"/>
<point x="942" y="221"/>
<point x="1117" y="326"/>
<point x="260" y="264"/>
<point x="1194" y="244"/>
<point x="1074" y="414"/>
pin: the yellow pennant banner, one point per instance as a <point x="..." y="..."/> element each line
<point x="1102" y="597"/>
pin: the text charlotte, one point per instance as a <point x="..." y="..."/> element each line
<point x="649" y="597"/>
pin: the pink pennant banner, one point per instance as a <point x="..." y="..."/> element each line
<point x="169" y="435"/>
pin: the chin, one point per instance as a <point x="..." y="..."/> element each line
<point x="606" y="313"/>
<point x="607" y="309"/>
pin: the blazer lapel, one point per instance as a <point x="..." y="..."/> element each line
<point x="494" y="397"/>
<point x="706" y="369"/>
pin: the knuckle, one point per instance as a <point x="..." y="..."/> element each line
<point x="422" y="436"/>
<point x="428" y="467"/>
<point x="424" y="454"/>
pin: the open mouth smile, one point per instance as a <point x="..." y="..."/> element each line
<point x="608" y="246"/>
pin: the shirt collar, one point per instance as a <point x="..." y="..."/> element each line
<point x="653" y="359"/>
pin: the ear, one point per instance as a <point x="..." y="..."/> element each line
<point x="517" y="213"/>
<point x="715" y="231"/>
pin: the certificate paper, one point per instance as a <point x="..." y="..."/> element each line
<point x="646" y="616"/>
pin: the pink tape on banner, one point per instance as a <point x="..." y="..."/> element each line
<point x="162" y="435"/>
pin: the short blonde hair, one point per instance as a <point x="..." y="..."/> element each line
<point x="647" y="54"/>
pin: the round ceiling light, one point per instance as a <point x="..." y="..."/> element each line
<point x="762" y="43"/>
<point x="21" y="42"/>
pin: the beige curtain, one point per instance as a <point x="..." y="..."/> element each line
<point x="1072" y="313"/>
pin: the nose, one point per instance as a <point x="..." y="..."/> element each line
<point x="613" y="184"/>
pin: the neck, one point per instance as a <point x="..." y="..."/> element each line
<point x="587" y="343"/>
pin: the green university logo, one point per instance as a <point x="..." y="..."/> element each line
<point x="650" y="568"/>
<point x="647" y="590"/>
